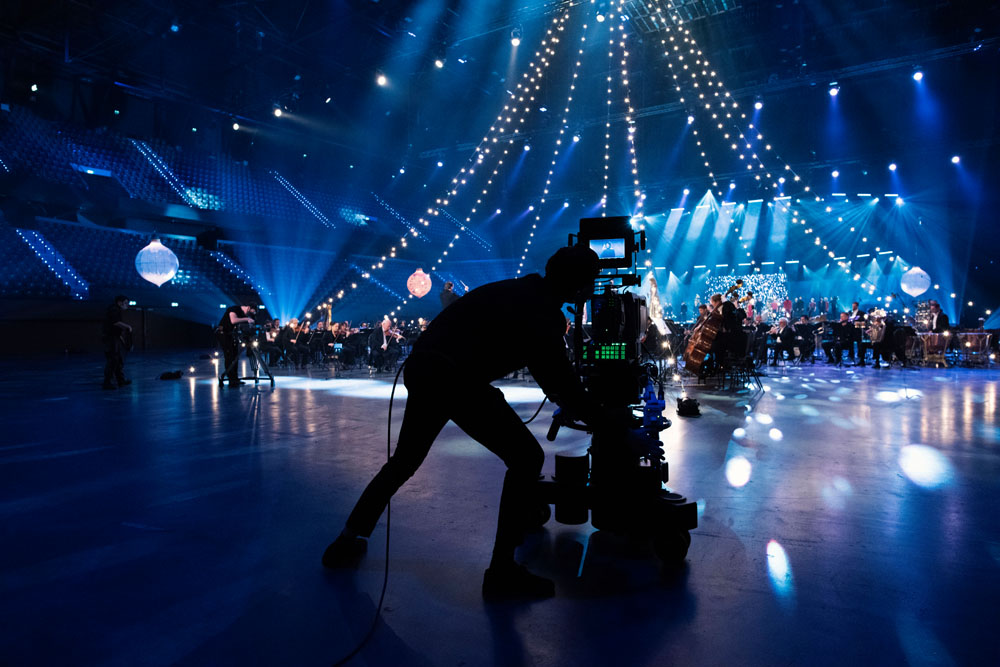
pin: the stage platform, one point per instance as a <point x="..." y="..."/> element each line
<point x="846" y="516"/>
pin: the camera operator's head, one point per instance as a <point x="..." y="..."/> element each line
<point x="249" y="308"/>
<point x="121" y="301"/>
<point x="571" y="270"/>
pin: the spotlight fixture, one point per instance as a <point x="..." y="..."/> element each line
<point x="955" y="159"/>
<point x="327" y="101"/>
<point x="576" y="138"/>
<point x="381" y="79"/>
<point x="236" y="126"/>
<point x="918" y="76"/>
<point x="175" y="27"/>
<point x="527" y="147"/>
<point x="899" y="201"/>
<point x="732" y="186"/>
<point x="277" y="112"/>
<point x="690" y="120"/>
<point x="515" y="37"/>
<point x="34" y="87"/>
<point x="834" y="89"/>
<point x="686" y="191"/>
<point x="600" y="18"/>
<point x="440" y="164"/>
<point x="439" y="63"/>
<point x="835" y="174"/>
<point x="892" y="167"/>
<point x="758" y="105"/>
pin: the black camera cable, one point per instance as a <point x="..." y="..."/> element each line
<point x="388" y="526"/>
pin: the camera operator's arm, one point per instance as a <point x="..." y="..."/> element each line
<point x="555" y="375"/>
<point x="238" y="320"/>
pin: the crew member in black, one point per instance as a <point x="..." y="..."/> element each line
<point x="448" y="377"/>
<point x="233" y="316"/>
<point x="448" y="295"/>
<point x="114" y="336"/>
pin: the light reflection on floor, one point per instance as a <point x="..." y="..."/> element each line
<point x="376" y="388"/>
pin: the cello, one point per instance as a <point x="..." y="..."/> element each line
<point x="704" y="336"/>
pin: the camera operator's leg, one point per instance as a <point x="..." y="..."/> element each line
<point x="488" y="418"/>
<point x="230" y="357"/>
<point x="423" y="419"/>
<point x="110" y="363"/>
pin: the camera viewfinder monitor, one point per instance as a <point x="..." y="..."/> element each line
<point x="613" y="239"/>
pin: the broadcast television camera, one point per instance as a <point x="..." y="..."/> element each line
<point x="621" y="477"/>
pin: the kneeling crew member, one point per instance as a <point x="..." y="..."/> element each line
<point x="448" y="377"/>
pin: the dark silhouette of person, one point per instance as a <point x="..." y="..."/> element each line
<point x="115" y="333"/>
<point x="448" y="377"/>
<point x="226" y="337"/>
<point x="448" y="295"/>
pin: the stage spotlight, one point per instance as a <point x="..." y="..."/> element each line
<point x="576" y="138"/>
<point x="175" y="27"/>
<point x="892" y="167"/>
<point x="440" y="164"/>
<point x="918" y="76"/>
<point x="732" y="186"/>
<point x="690" y="120"/>
<point x="402" y="170"/>
<point x="527" y="147"/>
<point x="381" y="79"/>
<point x="439" y="63"/>
<point x="277" y="112"/>
<point x="686" y="191"/>
<point x="236" y="126"/>
<point x="955" y="159"/>
<point x="515" y="37"/>
<point x="600" y="18"/>
<point x="498" y="211"/>
<point x="835" y="174"/>
<point x="565" y="204"/>
<point x="899" y="201"/>
<point x="34" y="87"/>
<point x="758" y="105"/>
<point x="834" y="89"/>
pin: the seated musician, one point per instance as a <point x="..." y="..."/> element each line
<point x="939" y="321"/>
<point x="384" y="345"/>
<point x="318" y="343"/>
<point x="843" y="338"/>
<point x="805" y="335"/>
<point x="285" y="336"/>
<point x="269" y="342"/>
<point x="784" y="341"/>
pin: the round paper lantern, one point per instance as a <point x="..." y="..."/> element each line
<point x="915" y="281"/>
<point x="156" y="263"/>
<point x="419" y="283"/>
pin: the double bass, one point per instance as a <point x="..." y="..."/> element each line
<point x="704" y="335"/>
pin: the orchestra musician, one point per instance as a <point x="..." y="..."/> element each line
<point x="843" y="337"/>
<point x="784" y="341"/>
<point x="384" y="346"/>
<point x="939" y="321"/>
<point x="805" y="335"/>
<point x="114" y="337"/>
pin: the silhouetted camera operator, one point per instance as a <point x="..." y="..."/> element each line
<point x="448" y="377"/>
<point x="225" y="334"/>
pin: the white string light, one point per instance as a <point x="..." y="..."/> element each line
<point x="555" y="153"/>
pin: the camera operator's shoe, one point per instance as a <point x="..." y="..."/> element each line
<point x="514" y="582"/>
<point x="344" y="552"/>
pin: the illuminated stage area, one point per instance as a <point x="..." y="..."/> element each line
<point x="846" y="515"/>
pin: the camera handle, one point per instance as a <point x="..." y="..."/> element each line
<point x="558" y="421"/>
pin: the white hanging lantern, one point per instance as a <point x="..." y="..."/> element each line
<point x="915" y="281"/>
<point x="419" y="283"/>
<point x="156" y="263"/>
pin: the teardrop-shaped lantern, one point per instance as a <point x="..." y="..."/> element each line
<point x="156" y="263"/>
<point x="419" y="283"/>
<point x="915" y="281"/>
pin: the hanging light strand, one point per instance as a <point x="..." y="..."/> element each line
<point x="560" y="139"/>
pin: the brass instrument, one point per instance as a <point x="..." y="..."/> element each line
<point x="876" y="326"/>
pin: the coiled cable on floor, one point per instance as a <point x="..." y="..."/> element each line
<point x="388" y="525"/>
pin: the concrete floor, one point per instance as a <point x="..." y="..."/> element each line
<point x="846" y="517"/>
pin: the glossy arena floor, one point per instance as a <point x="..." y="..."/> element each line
<point x="846" y="518"/>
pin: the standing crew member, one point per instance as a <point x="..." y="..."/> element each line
<point x="233" y="316"/>
<point x="114" y="336"/>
